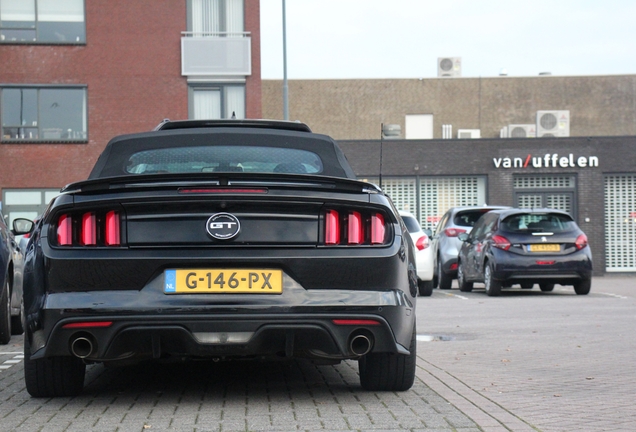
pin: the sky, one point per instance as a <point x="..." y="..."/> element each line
<point x="352" y="39"/>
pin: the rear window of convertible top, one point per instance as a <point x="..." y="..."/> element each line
<point x="253" y="159"/>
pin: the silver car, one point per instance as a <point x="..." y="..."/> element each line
<point x="446" y="245"/>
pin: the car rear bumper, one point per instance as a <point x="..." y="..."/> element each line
<point x="564" y="270"/>
<point x="152" y="325"/>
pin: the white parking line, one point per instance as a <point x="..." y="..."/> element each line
<point x="457" y="295"/>
<point x="613" y="295"/>
<point x="17" y="358"/>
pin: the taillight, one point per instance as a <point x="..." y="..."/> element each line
<point x="65" y="231"/>
<point x="453" y="232"/>
<point x="422" y="243"/>
<point x="354" y="228"/>
<point x="581" y="241"/>
<point x="93" y="228"/>
<point x="500" y="242"/>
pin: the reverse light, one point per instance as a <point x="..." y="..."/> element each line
<point x="581" y="241"/>
<point x="500" y="242"/>
<point x="453" y="232"/>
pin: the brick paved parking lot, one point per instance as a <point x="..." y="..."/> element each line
<point x="524" y="361"/>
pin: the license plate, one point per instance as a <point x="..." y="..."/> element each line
<point x="544" y="248"/>
<point x="226" y="281"/>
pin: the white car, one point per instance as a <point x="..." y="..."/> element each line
<point x="423" y="254"/>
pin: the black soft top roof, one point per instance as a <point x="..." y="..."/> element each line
<point x="113" y="160"/>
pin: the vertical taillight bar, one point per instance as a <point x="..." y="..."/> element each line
<point x="65" y="231"/>
<point x="355" y="234"/>
<point x="332" y="227"/>
<point x="88" y="235"/>
<point x="112" y="237"/>
<point x="377" y="228"/>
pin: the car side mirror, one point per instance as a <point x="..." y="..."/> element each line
<point x="22" y="226"/>
<point x="463" y="237"/>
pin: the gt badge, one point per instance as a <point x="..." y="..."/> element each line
<point x="223" y="226"/>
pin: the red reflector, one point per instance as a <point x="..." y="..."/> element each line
<point x="422" y="243"/>
<point x="453" y="232"/>
<point x="355" y="322"/>
<point x="377" y="229"/>
<point x="453" y="266"/>
<point x="222" y="190"/>
<point x="354" y="228"/>
<point x="88" y="324"/>
<point x="500" y="242"/>
<point x="64" y="231"/>
<point x="89" y="230"/>
<point x="581" y="241"/>
<point x="545" y="262"/>
<point x="332" y="227"/>
<point x="111" y="237"/>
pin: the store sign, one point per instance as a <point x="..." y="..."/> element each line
<point x="548" y="161"/>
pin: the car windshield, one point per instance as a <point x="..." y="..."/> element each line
<point x="253" y="159"/>
<point x="411" y="224"/>
<point x="534" y="222"/>
<point x="468" y="218"/>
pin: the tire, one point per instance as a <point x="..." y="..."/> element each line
<point x="387" y="371"/>
<point x="54" y="376"/>
<point x="461" y="280"/>
<point x="5" y="314"/>
<point x="17" y="322"/>
<point x="445" y="281"/>
<point x="493" y="287"/>
<point x="583" y="287"/>
<point x="425" y="288"/>
<point x="546" y="287"/>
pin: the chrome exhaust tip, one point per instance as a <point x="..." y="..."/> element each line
<point x="82" y="347"/>
<point x="360" y="344"/>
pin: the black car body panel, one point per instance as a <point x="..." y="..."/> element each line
<point x="103" y="297"/>
<point x="534" y="253"/>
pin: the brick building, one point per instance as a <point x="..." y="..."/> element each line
<point x="76" y="73"/>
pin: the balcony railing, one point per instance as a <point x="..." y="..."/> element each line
<point x="219" y="53"/>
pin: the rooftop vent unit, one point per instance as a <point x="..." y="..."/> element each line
<point x="522" y="131"/>
<point x="391" y="131"/>
<point x="553" y="123"/>
<point x="468" y="133"/>
<point x="449" y="67"/>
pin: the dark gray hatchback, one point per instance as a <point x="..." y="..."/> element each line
<point x="525" y="247"/>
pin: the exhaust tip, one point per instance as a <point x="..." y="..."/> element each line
<point x="360" y="344"/>
<point x="82" y="347"/>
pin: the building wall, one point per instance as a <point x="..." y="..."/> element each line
<point x="412" y="158"/>
<point x="356" y="109"/>
<point x="131" y="65"/>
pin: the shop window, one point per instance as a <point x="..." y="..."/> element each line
<point x="217" y="101"/>
<point x="43" y="114"/>
<point x="42" y="21"/>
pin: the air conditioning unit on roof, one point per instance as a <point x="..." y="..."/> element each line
<point x="449" y="67"/>
<point x="522" y="131"/>
<point x="554" y="123"/>
<point x="468" y="133"/>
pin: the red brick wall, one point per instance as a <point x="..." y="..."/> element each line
<point x="131" y="64"/>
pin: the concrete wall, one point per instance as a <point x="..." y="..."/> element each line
<point x="355" y="109"/>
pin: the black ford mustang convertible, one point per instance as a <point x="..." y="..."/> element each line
<point x="223" y="240"/>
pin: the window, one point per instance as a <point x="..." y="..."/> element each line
<point x="213" y="158"/>
<point x="43" y="114"/>
<point x="217" y="102"/>
<point x="215" y="17"/>
<point x="46" y="21"/>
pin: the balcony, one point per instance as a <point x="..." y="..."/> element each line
<point x="215" y="54"/>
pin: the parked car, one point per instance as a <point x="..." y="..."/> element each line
<point x="220" y="240"/>
<point x="525" y="247"/>
<point x="423" y="253"/>
<point x="11" y="264"/>
<point x="446" y="245"/>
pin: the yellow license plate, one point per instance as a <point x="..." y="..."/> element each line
<point x="226" y="281"/>
<point x="544" y="248"/>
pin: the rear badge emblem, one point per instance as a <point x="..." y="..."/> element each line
<point x="543" y="239"/>
<point x="223" y="226"/>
